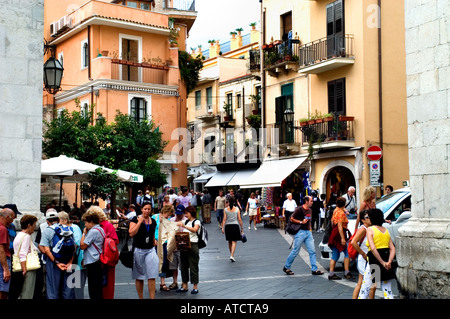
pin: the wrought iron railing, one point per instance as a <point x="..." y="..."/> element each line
<point x="325" y="48"/>
<point x="254" y="60"/>
<point x="327" y="131"/>
<point x="280" y="52"/>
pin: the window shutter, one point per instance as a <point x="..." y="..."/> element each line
<point x="336" y="97"/>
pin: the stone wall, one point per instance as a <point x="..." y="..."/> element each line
<point x="423" y="250"/>
<point x="21" y="60"/>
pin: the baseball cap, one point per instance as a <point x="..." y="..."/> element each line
<point x="180" y="210"/>
<point x="13" y="207"/>
<point x="51" y="213"/>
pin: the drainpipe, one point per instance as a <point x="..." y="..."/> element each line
<point x="263" y="73"/>
<point x="380" y="94"/>
<point x="89" y="51"/>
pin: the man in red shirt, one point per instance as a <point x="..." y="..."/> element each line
<point x="6" y="218"/>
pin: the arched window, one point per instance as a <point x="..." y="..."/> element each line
<point x="84" y="54"/>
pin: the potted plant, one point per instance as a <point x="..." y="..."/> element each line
<point x="211" y="42"/>
<point x="253" y="25"/>
<point x="104" y="52"/>
<point x="254" y="121"/>
<point x="239" y="30"/>
<point x="227" y="109"/>
<point x="328" y="117"/>
<point x="233" y="34"/>
<point x="344" y="118"/>
<point x="255" y="98"/>
<point x="303" y="121"/>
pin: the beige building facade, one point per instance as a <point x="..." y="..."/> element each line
<point x="339" y="57"/>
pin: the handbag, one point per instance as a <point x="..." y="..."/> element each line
<point x="243" y="238"/>
<point x="126" y="256"/>
<point x="32" y="262"/>
<point x="292" y="228"/>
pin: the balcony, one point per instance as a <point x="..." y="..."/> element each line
<point x="328" y="133"/>
<point x="139" y="72"/>
<point x="281" y="57"/>
<point x="254" y="61"/>
<point x="326" y="54"/>
<point x="205" y="113"/>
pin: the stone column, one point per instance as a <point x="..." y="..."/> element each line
<point x="21" y="60"/>
<point x="423" y="247"/>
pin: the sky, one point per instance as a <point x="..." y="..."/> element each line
<point x="217" y="18"/>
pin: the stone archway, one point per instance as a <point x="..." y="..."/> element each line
<point x="347" y="171"/>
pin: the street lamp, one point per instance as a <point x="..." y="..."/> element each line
<point x="289" y="116"/>
<point x="53" y="71"/>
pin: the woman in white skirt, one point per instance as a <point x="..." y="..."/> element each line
<point x="359" y="243"/>
<point x="146" y="262"/>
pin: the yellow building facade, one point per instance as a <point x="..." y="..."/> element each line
<point x="346" y="58"/>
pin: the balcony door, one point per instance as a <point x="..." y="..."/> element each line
<point x="130" y="50"/>
<point x="335" y="29"/>
<point x="282" y="103"/>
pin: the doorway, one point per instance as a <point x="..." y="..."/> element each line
<point x="338" y="180"/>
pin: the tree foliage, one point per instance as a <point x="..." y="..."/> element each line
<point x="189" y="69"/>
<point x="124" y="144"/>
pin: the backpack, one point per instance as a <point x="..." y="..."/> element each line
<point x="202" y="235"/>
<point x="63" y="243"/>
<point x="110" y="253"/>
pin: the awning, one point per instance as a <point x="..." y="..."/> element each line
<point x="272" y="173"/>
<point x="204" y="178"/>
<point x="241" y="177"/>
<point x="220" y="178"/>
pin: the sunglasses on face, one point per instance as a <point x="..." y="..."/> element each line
<point x="366" y="217"/>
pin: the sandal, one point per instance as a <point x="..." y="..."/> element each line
<point x="163" y="288"/>
<point x="173" y="286"/>
<point x="317" y="272"/>
<point x="288" y="271"/>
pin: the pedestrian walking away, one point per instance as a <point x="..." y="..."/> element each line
<point x="232" y="226"/>
<point x="302" y="215"/>
<point x="380" y="256"/>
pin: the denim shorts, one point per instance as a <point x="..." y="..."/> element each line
<point x="336" y="253"/>
<point x="4" y="286"/>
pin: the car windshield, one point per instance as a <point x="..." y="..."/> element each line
<point x="387" y="201"/>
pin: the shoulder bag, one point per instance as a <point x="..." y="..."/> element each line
<point x="32" y="262"/>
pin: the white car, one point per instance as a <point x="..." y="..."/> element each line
<point x="395" y="206"/>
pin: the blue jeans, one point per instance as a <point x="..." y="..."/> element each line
<point x="303" y="236"/>
<point x="56" y="281"/>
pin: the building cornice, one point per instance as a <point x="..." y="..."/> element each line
<point x="117" y="85"/>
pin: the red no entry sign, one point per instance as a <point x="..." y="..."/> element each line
<point x="374" y="153"/>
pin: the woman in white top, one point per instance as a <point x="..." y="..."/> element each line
<point x="190" y="258"/>
<point x="23" y="245"/>
<point x="359" y="243"/>
<point x="252" y="209"/>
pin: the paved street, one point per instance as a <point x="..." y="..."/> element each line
<point x="256" y="274"/>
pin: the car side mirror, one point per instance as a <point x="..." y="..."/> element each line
<point x="404" y="217"/>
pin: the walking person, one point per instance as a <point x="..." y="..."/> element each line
<point x="338" y="240"/>
<point x="252" y="209"/>
<point x="359" y="242"/>
<point x="23" y="245"/>
<point x="92" y="244"/>
<point x="289" y="206"/>
<point x="380" y="256"/>
<point x="176" y="261"/>
<point x="232" y="226"/>
<point x="302" y="215"/>
<point x="190" y="258"/>
<point x="146" y="262"/>
<point x="206" y="206"/>
<point x="219" y="206"/>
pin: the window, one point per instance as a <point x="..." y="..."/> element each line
<point x="138" y="109"/>
<point x="238" y="100"/>
<point x="84" y="54"/>
<point x="336" y="97"/>
<point x="258" y="93"/>
<point x="198" y="100"/>
<point x="286" y="131"/>
<point x="145" y="6"/>
<point x="209" y="99"/>
<point x="335" y="27"/>
<point x="286" y="25"/>
<point x="131" y="4"/>
<point x="230" y="103"/>
<point x="84" y="108"/>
